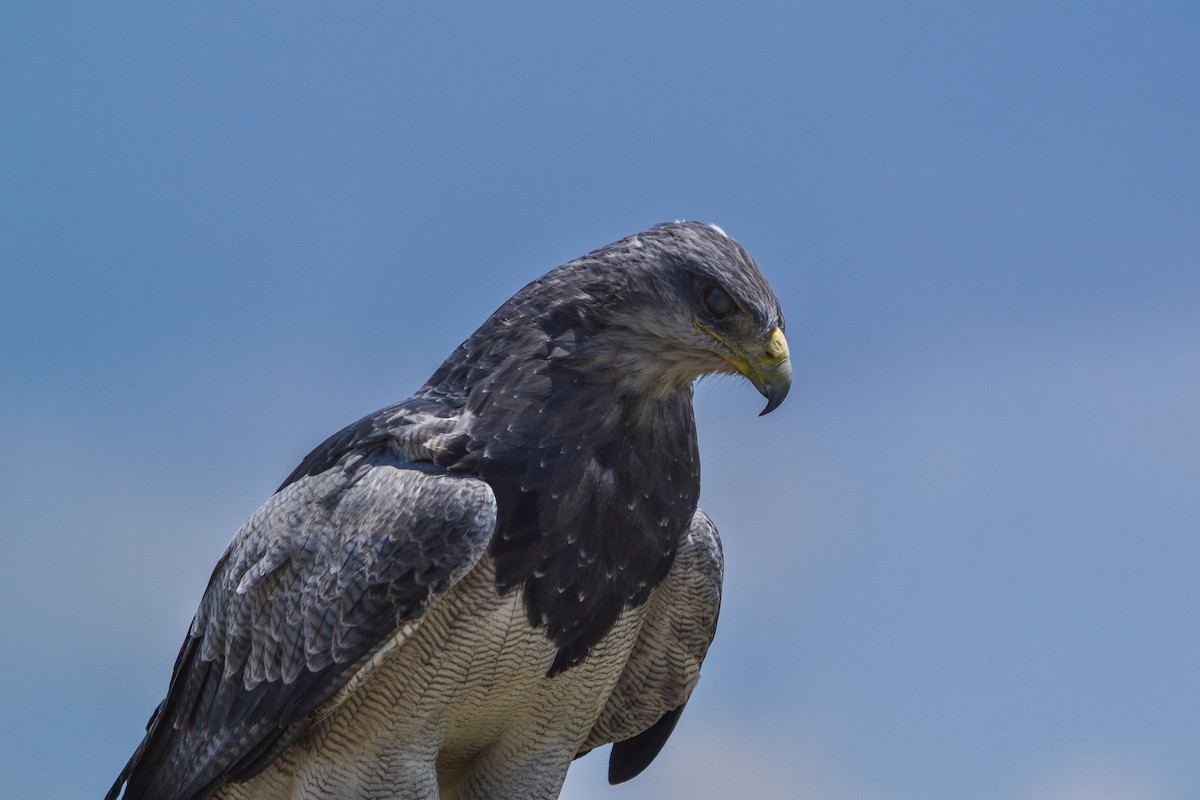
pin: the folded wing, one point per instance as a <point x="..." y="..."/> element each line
<point x="332" y="568"/>
<point x="662" y="670"/>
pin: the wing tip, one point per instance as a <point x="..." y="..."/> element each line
<point x="629" y="758"/>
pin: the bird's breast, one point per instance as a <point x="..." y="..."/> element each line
<point x="472" y="675"/>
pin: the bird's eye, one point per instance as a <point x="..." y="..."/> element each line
<point x="717" y="301"/>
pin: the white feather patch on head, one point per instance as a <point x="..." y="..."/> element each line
<point x="717" y="228"/>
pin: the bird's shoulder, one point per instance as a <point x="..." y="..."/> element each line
<point x="413" y="430"/>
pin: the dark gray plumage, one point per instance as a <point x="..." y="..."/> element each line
<point x="530" y="513"/>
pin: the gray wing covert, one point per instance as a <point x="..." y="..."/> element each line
<point x="326" y="572"/>
<point x="664" y="666"/>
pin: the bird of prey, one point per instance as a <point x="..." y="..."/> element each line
<point x="456" y="596"/>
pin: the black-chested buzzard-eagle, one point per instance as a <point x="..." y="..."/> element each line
<point x="459" y="594"/>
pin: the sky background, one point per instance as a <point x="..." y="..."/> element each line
<point x="962" y="559"/>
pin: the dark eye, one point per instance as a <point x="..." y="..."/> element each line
<point x="718" y="301"/>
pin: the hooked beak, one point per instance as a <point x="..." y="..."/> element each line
<point x="770" y="370"/>
<point x="771" y="373"/>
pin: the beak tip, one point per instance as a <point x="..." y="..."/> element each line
<point x="774" y="401"/>
<point x="776" y="391"/>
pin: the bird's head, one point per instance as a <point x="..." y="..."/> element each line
<point x="674" y="303"/>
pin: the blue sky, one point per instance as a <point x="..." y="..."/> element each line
<point x="961" y="559"/>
